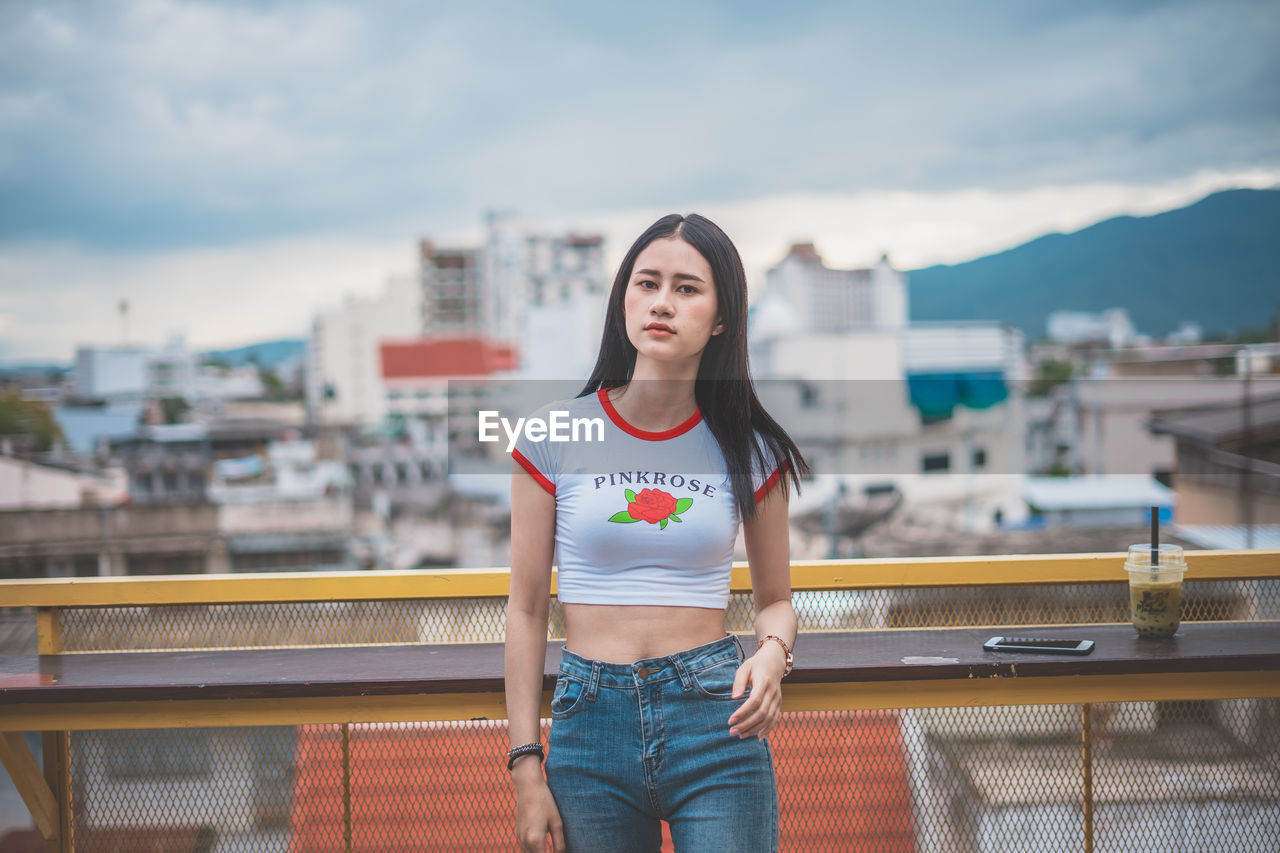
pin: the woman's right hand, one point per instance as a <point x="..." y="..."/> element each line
<point x="536" y="812"/>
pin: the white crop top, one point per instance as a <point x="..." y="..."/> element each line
<point x="641" y="517"/>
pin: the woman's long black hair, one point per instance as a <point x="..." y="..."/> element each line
<point x="723" y="389"/>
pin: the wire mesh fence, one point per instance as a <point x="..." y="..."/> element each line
<point x="1166" y="777"/>
<point x="1201" y="775"/>
<point x="481" y="620"/>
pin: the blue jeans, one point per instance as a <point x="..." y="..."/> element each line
<point x="634" y="744"/>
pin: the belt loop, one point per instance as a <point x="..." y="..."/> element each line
<point x="593" y="685"/>
<point x="742" y="655"/>
<point x="686" y="681"/>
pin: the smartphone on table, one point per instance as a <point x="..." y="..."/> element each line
<point x="1038" y="645"/>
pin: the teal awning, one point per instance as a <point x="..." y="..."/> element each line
<point x="936" y="395"/>
<point x="982" y="390"/>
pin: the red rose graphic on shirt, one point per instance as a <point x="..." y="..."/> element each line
<point x="652" y="505"/>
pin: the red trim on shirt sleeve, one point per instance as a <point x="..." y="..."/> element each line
<point x="535" y="473"/>
<point x="773" y="480"/>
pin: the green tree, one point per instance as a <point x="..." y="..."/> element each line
<point x="275" y="387"/>
<point x="27" y="417"/>
<point x="1052" y="373"/>
<point x="174" y="408"/>
<point x="1260" y="335"/>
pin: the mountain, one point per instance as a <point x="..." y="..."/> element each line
<point x="1215" y="262"/>
<point x="266" y="353"/>
<point x="32" y="373"/>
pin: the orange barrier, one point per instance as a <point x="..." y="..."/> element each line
<point x="843" y="785"/>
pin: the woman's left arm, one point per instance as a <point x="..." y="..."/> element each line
<point x="768" y="543"/>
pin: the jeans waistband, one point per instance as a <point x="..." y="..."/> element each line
<point x="650" y="670"/>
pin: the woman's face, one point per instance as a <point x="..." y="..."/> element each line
<point x="670" y="306"/>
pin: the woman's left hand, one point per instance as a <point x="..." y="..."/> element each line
<point x="763" y="671"/>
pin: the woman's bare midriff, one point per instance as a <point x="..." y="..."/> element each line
<point x="624" y="633"/>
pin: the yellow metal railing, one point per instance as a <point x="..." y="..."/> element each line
<point x="1110" y="744"/>
<point x="460" y="606"/>
<point x="1002" y="570"/>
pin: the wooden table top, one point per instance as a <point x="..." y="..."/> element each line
<point x="826" y="658"/>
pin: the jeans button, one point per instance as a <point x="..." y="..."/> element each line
<point x="643" y="672"/>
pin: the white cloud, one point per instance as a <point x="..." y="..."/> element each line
<point x="305" y="144"/>
<point x="159" y="123"/>
<point x="59" y="296"/>
<point x="918" y="229"/>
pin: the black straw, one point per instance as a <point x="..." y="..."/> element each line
<point x="1155" y="536"/>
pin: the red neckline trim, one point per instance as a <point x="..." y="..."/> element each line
<point x="621" y="423"/>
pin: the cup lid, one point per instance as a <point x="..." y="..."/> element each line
<point x="1140" y="555"/>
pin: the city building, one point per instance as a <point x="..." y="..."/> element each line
<point x="1099" y="426"/>
<point x="131" y="374"/>
<point x="188" y="498"/>
<point x="524" y="304"/>
<point x="420" y="512"/>
<point x="1227" y="464"/>
<point x="344" y="384"/>
<point x="1111" y="328"/>
<point x="420" y="375"/>
<point x="1098" y="502"/>
<point x="1096" y="422"/>
<point x="541" y="293"/>
<point x="453" y="296"/>
<point x="833" y="300"/>
<point x="881" y="406"/>
<point x="32" y="484"/>
<point x="281" y="507"/>
<point x="165" y="464"/>
<point x="111" y="374"/>
<point x="114" y="389"/>
<point x="567" y="289"/>
<point x="173" y="370"/>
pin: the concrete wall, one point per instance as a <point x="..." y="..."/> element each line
<point x="26" y="485"/>
<point x="1202" y="502"/>
<point x="286" y="516"/>
<point x="818" y="356"/>
<point x="117" y="540"/>
<point x="1113" y="436"/>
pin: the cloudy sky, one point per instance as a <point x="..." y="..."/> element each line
<point x="231" y="167"/>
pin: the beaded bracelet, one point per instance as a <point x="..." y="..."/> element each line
<point x="785" y="650"/>
<point x="523" y="750"/>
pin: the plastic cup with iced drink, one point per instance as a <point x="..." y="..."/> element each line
<point x="1155" y="588"/>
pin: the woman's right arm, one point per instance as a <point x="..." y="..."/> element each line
<point x="533" y="525"/>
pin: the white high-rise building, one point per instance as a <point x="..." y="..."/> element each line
<point x="504" y="289"/>
<point x="173" y="371"/>
<point x="818" y="322"/>
<point x="543" y="294"/>
<point x="831" y="300"/>
<point x="344" y="371"/>
<point x="452" y="296"/>
<point x="539" y="295"/>
<point x="567" y="288"/>
<point x="112" y="373"/>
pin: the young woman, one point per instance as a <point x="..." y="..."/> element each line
<point x="656" y="714"/>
